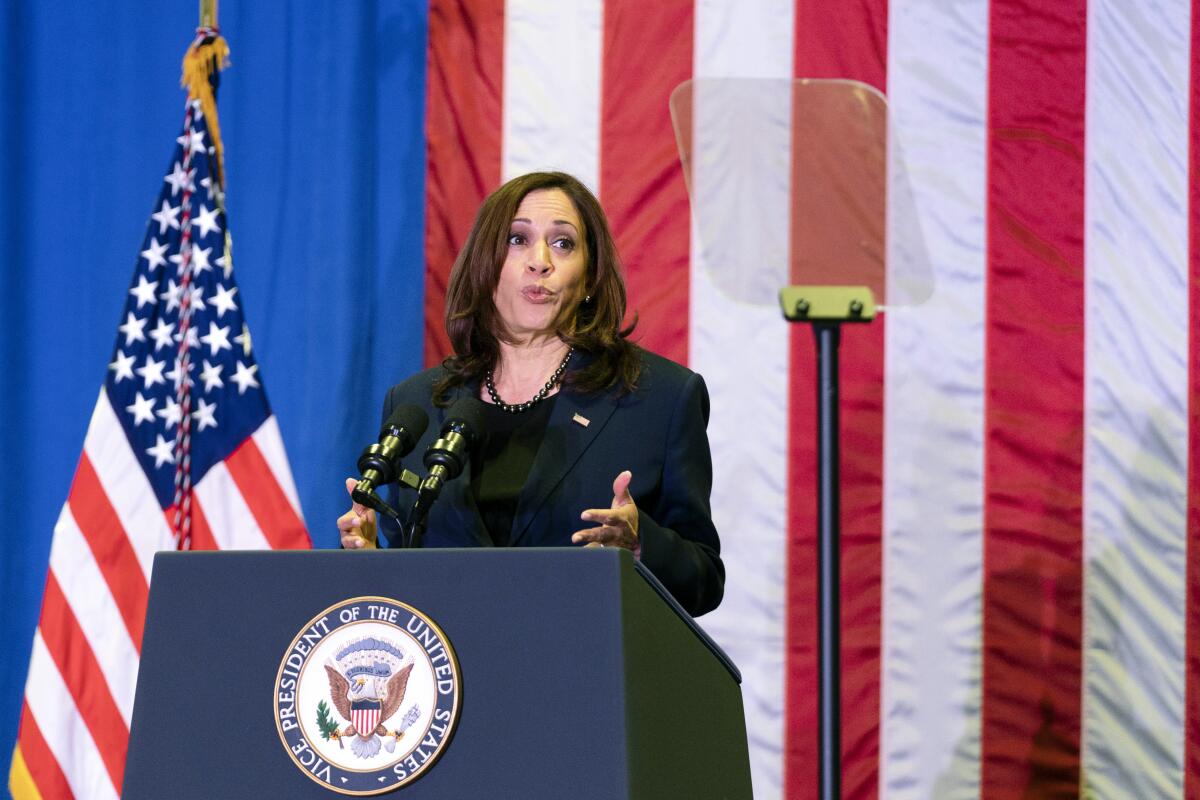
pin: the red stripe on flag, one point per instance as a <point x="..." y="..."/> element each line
<point x="84" y="679"/>
<point x="110" y="547"/>
<point x="647" y="53"/>
<point x="1192" y="693"/>
<point x="838" y="40"/>
<point x="39" y="759"/>
<point x="1034" y="378"/>
<point x="463" y="125"/>
<point x="270" y="507"/>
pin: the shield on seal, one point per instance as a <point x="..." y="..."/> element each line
<point x="364" y="715"/>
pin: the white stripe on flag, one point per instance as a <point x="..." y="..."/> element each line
<point x="270" y="443"/>
<point x="740" y="345"/>
<point x="126" y="485"/>
<point x="88" y="595"/>
<point x="551" y="107"/>
<point x="229" y="518"/>
<point x="63" y="729"/>
<point x="933" y="418"/>
<point x="1135" y="452"/>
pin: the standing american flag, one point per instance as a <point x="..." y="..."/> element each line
<point x="182" y="452"/>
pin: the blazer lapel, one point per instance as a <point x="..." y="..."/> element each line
<point x="574" y="424"/>
<point x="457" y="499"/>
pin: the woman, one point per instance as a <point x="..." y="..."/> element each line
<point x="581" y="423"/>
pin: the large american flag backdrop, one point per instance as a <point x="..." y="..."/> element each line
<point x="1020" y="512"/>
<point x="182" y="452"/>
<point x="1019" y="602"/>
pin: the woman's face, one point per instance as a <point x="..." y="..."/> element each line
<point x="546" y="265"/>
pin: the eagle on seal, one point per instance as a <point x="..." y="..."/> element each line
<point x="367" y="682"/>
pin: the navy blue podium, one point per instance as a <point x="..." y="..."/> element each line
<point x="580" y="676"/>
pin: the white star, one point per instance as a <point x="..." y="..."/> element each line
<point x="181" y="179"/>
<point x="244" y="377"/>
<point x="162" y="334"/>
<point x="191" y="139"/>
<point x="133" y="329"/>
<point x="204" y="414"/>
<point x="142" y="409"/>
<point x="152" y="372"/>
<point x="163" y="451"/>
<point x="193" y="338"/>
<point x="198" y="145"/>
<point x="196" y="297"/>
<point x="144" y="291"/>
<point x="176" y="374"/>
<point x="216" y="338"/>
<point x="222" y="301"/>
<point x="123" y="365"/>
<point x="154" y="254"/>
<point x="172" y="295"/>
<point x="244" y="339"/>
<point x="170" y="412"/>
<point x="166" y="217"/>
<point x="206" y="221"/>
<point x="211" y="375"/>
<point x="226" y="265"/>
<point x="200" y="259"/>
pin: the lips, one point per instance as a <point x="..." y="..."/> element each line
<point x="538" y="294"/>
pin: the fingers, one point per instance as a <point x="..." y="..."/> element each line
<point x="616" y="527"/>
<point x="357" y="526"/>
<point x="621" y="495"/>
<point x="605" y="536"/>
<point x="356" y="531"/>
<point x="358" y="507"/>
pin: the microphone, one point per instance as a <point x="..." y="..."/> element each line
<point x="379" y="463"/>
<point x="446" y="457"/>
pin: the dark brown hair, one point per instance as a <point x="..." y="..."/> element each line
<point x="592" y="327"/>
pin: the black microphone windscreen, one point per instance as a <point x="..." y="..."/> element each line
<point x="469" y="412"/>
<point x="410" y="418"/>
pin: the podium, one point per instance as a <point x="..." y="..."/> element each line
<point x="578" y="676"/>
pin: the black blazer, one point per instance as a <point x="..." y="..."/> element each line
<point x="657" y="432"/>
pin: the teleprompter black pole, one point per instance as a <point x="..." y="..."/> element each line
<point x="827" y="308"/>
<point x="829" y="772"/>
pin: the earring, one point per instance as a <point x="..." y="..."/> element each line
<point x="587" y="299"/>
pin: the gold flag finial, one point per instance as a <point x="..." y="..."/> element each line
<point x="208" y="13"/>
<point x="208" y="54"/>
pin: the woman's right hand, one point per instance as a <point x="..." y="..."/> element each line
<point x="357" y="525"/>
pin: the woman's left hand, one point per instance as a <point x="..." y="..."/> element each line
<point x="618" y="524"/>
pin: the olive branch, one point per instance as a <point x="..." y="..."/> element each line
<point x="326" y="722"/>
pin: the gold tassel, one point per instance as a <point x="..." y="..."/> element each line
<point x="198" y="64"/>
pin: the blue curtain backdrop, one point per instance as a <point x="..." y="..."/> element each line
<point x="322" y="118"/>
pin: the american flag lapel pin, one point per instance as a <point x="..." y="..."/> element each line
<point x="581" y="419"/>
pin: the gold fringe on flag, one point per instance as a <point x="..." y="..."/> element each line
<point x="209" y="52"/>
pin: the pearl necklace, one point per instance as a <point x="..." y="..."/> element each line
<point x="537" y="398"/>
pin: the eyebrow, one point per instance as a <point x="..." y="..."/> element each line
<point x="528" y="221"/>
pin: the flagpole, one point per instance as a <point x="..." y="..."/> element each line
<point x="208" y="14"/>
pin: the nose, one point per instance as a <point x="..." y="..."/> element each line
<point x="539" y="259"/>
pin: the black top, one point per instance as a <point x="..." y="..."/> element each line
<point x="500" y="465"/>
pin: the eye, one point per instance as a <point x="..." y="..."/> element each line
<point x="515" y="238"/>
<point x="564" y="243"/>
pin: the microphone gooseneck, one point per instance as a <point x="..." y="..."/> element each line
<point x="379" y="463"/>
<point x="446" y="458"/>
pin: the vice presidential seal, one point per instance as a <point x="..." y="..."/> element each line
<point x="367" y="695"/>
